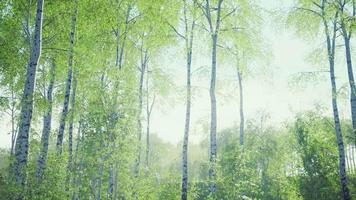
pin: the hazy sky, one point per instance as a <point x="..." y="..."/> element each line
<point x="267" y="90"/>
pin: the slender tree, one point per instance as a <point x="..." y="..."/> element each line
<point x="347" y="21"/>
<point x="188" y="39"/>
<point x="47" y="124"/>
<point x="71" y="122"/>
<point x="121" y="36"/>
<point x="149" y="108"/>
<point x="242" y="117"/>
<point x="214" y="28"/>
<point x="328" y="20"/>
<point x="70" y="132"/>
<point x="22" y="141"/>
<point x="143" y="64"/>
<point x="331" y="57"/>
<point x="120" y="58"/>
<point x="118" y="33"/>
<point x="64" y="113"/>
<point x="242" y="40"/>
<point x="13" y="119"/>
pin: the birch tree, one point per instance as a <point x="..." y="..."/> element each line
<point x="22" y="141"/>
<point x="142" y="68"/>
<point x="149" y="109"/>
<point x="244" y="45"/>
<point x="189" y="11"/>
<point x="215" y="14"/>
<point x="151" y="34"/>
<point x="69" y="78"/>
<point x="47" y="124"/>
<point x="326" y="18"/>
<point x="214" y="28"/>
<point x="346" y="21"/>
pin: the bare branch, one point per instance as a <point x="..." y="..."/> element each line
<point x="208" y="15"/>
<point x="310" y="10"/>
<point x="176" y="31"/>
<point x="230" y="13"/>
<point x="115" y="32"/>
<point x="134" y="18"/>
<point x="218" y="18"/>
<point x="317" y="5"/>
<point x="203" y="27"/>
<point x="152" y="104"/>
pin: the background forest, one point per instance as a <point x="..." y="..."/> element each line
<point x="160" y="99"/>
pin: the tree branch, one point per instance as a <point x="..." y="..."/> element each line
<point x="310" y="10"/>
<point x="230" y="13"/>
<point x="176" y="31"/>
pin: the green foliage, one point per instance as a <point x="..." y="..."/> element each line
<point x="317" y="148"/>
<point x="296" y="161"/>
<point x="256" y="169"/>
<point x="306" y="23"/>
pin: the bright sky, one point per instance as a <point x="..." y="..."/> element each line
<point x="267" y="90"/>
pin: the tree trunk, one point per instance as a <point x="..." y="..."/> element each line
<point x="76" y="166"/>
<point x="22" y="142"/>
<point x="70" y="132"/>
<point x="69" y="80"/>
<point x="113" y="168"/>
<point x="331" y="57"/>
<point x="148" y="115"/>
<point x="144" y="58"/>
<point x="213" y="122"/>
<point x="13" y="120"/>
<point x="242" y="118"/>
<point x="189" y="49"/>
<point x="353" y="149"/>
<point x="342" y="168"/>
<point x="116" y="181"/>
<point x="147" y="141"/>
<point x="186" y="132"/>
<point x="100" y="179"/>
<point x="113" y="181"/>
<point x="47" y="122"/>
<point x="149" y="108"/>
<point x="347" y="158"/>
<point x="118" y="35"/>
<point x="109" y="194"/>
<point x="120" y="57"/>
<point x="351" y="82"/>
